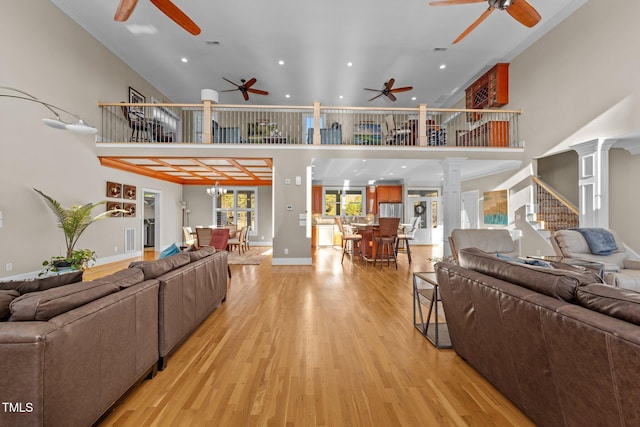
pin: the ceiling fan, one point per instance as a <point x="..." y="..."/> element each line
<point x="388" y="90"/>
<point x="520" y="10"/>
<point x="125" y="8"/>
<point x="246" y="88"/>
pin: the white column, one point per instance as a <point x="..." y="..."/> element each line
<point x="451" y="199"/>
<point x="593" y="182"/>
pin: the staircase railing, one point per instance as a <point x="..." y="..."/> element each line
<point x="554" y="211"/>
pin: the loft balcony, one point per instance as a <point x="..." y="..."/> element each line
<point x="316" y="125"/>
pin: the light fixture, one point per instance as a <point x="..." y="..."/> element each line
<point x="79" y="127"/>
<point x="216" y="191"/>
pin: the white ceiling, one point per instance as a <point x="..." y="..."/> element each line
<point x="315" y="39"/>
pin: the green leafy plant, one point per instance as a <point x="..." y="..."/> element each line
<point x="73" y="221"/>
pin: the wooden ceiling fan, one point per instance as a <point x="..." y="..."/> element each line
<point x="125" y="8"/>
<point x="388" y="90"/>
<point x="246" y="88"/>
<point x="520" y="10"/>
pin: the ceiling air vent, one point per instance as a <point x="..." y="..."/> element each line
<point x="440" y="49"/>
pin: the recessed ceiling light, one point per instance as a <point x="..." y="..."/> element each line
<point x="281" y="62"/>
<point x="403" y="166"/>
<point x="341" y="97"/>
<point x="443" y="66"/>
<point x="349" y="64"/>
<point x="414" y="98"/>
<point x="184" y="60"/>
<point x="142" y="29"/>
<point x="287" y="96"/>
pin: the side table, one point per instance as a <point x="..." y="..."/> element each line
<point x="438" y="334"/>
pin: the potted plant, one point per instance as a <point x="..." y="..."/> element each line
<point x="73" y="221"/>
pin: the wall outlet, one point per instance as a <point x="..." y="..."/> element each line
<point x="9" y="266"/>
<point x="115" y="249"/>
<point x="286" y="251"/>
<point x="261" y="237"/>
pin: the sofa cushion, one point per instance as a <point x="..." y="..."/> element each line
<point x="154" y="269"/>
<point x="5" y="300"/>
<point x="616" y="302"/>
<point x="42" y="283"/>
<point x="123" y="278"/>
<point x="631" y="264"/>
<point x="45" y="305"/>
<point x="560" y="284"/>
<point x="203" y="252"/>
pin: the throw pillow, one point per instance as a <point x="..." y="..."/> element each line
<point x="171" y="250"/>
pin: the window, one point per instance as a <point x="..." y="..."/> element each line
<point x="339" y="202"/>
<point x="237" y="206"/>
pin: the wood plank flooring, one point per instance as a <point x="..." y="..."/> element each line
<point x="321" y="345"/>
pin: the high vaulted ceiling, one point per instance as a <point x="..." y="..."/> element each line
<point x="241" y="39"/>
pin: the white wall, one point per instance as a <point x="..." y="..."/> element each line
<point x="578" y="83"/>
<point x="47" y="55"/>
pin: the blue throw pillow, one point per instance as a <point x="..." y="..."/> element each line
<point x="171" y="250"/>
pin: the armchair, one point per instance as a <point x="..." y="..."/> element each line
<point x="487" y="240"/>
<point x="620" y="268"/>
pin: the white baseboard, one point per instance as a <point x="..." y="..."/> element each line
<point x="291" y="261"/>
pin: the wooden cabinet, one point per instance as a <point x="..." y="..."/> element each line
<point x="491" y="90"/>
<point x="489" y="134"/>
<point x="389" y="193"/>
<point x="316" y="199"/>
<point x="314" y="236"/>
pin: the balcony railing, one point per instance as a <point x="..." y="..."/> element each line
<point x="316" y="124"/>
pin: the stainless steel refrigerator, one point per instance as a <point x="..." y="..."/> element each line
<point x="390" y="210"/>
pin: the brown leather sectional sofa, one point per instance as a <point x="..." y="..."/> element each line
<point x="68" y="353"/>
<point x="562" y="348"/>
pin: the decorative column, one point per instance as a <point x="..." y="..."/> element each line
<point x="208" y="97"/>
<point x="451" y="199"/>
<point x="593" y="182"/>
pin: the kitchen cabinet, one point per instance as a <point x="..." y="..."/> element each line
<point x="389" y="193"/>
<point x="316" y="199"/>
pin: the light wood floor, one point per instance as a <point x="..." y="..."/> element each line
<point x="321" y="345"/>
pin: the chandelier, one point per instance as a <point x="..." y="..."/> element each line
<point x="216" y="191"/>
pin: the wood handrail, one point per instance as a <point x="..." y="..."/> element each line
<point x="555" y="194"/>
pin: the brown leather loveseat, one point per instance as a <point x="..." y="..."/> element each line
<point x="562" y="347"/>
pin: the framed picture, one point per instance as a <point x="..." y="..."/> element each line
<point x="114" y="205"/>
<point x="131" y="210"/>
<point x="496" y="207"/>
<point x="129" y="192"/>
<point x="136" y="97"/>
<point x="114" y="190"/>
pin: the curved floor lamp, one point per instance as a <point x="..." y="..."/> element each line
<point x="79" y="127"/>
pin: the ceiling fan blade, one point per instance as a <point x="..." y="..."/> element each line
<point x="372" y="90"/>
<point x="258" y="91"/>
<point x="377" y="96"/>
<point x="177" y="15"/>
<point x="391" y="97"/>
<point x="125" y="8"/>
<point x="402" y="89"/>
<point x="475" y="24"/>
<point x="229" y="90"/>
<point x="245" y="95"/>
<point x="236" y="85"/>
<point x="250" y="83"/>
<point x="450" y="2"/>
<point x="388" y="85"/>
<point x="524" y="13"/>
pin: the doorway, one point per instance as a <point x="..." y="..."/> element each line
<point x="151" y="239"/>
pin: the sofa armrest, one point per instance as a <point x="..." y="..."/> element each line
<point x="632" y="264"/>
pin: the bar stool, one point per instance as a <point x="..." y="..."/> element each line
<point x="350" y="240"/>
<point x="387" y="235"/>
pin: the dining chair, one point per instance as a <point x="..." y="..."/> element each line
<point x="187" y="235"/>
<point x="203" y="236"/>
<point x="237" y="241"/>
<point x="220" y="240"/>
<point x="386" y="235"/>
<point x="140" y="127"/>
<point x="350" y="239"/>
